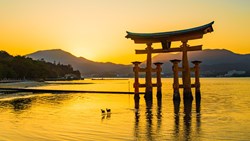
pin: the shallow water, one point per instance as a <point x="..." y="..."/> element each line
<point x="223" y="113"/>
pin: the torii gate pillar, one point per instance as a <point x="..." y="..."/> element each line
<point x="148" y="92"/>
<point x="186" y="80"/>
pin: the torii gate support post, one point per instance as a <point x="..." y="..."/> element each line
<point x="148" y="94"/>
<point x="187" y="93"/>
<point x="197" y="80"/>
<point x="158" y="80"/>
<point x="176" y="95"/>
<point x="136" y="83"/>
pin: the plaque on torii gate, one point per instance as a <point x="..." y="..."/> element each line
<point x="166" y="38"/>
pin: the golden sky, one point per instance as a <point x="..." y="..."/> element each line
<point x="96" y="29"/>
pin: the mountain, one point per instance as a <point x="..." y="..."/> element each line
<point x="85" y="66"/>
<point x="214" y="62"/>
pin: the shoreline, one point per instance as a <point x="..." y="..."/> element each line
<point x="21" y="84"/>
<point x="14" y="90"/>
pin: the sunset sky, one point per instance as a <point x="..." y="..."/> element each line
<point x="96" y="29"/>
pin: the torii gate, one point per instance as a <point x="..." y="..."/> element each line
<point x="165" y="38"/>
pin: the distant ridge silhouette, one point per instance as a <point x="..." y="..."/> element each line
<point x="85" y="66"/>
<point x="213" y="61"/>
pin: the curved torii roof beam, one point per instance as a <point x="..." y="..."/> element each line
<point x="179" y="35"/>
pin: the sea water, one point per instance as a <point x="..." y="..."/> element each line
<point x="222" y="115"/>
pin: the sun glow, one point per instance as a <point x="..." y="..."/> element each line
<point x="87" y="53"/>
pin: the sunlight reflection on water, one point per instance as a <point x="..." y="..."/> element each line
<point x="222" y="115"/>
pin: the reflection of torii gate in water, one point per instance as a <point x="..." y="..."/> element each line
<point x="165" y="38"/>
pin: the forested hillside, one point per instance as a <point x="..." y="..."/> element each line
<point x="20" y="67"/>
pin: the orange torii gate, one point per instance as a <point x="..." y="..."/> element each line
<point x="165" y="38"/>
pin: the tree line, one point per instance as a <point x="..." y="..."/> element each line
<point x="22" y="67"/>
